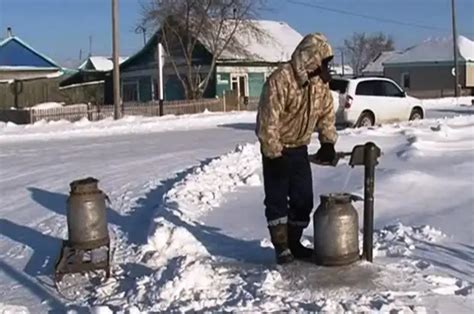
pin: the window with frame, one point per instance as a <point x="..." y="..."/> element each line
<point x="391" y="90"/>
<point x="130" y="91"/>
<point x="367" y="88"/>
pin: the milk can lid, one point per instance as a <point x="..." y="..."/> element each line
<point x="338" y="198"/>
<point x="84" y="184"/>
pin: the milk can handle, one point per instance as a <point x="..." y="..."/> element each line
<point x="107" y="198"/>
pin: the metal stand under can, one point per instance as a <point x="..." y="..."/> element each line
<point x="88" y="244"/>
<point x="75" y="260"/>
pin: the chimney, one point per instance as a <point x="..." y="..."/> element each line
<point x="9" y="32"/>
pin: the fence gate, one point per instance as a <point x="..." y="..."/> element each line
<point x="232" y="100"/>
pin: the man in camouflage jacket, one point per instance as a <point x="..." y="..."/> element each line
<point x="295" y="101"/>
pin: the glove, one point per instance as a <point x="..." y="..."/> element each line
<point x="326" y="154"/>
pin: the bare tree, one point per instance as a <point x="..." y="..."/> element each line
<point x="362" y="48"/>
<point x="189" y="27"/>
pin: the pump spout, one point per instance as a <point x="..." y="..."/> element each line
<point x="339" y="155"/>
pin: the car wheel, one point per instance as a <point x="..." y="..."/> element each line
<point x="416" y="114"/>
<point x="366" y="119"/>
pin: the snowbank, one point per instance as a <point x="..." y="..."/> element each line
<point x="447" y="102"/>
<point x="13" y="309"/>
<point x="48" y="105"/>
<point x="204" y="189"/>
<point x="42" y="130"/>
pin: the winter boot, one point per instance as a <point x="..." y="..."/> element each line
<point x="279" y="237"/>
<point x="298" y="250"/>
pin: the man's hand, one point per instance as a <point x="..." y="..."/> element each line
<point x="326" y="154"/>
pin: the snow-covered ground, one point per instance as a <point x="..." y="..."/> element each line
<point x="45" y="131"/>
<point x="187" y="218"/>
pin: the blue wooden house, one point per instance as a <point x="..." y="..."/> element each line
<point x="244" y="73"/>
<point x="18" y="60"/>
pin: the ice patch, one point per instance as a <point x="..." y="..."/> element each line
<point x="103" y="309"/>
<point x="441" y="280"/>
<point x="449" y="285"/>
<point x="399" y="240"/>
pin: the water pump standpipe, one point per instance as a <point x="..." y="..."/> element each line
<point x="371" y="154"/>
<point x="367" y="155"/>
<point x="362" y="155"/>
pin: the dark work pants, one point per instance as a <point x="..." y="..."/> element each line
<point x="288" y="188"/>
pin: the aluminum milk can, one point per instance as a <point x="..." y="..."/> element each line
<point x="336" y="230"/>
<point x="86" y="215"/>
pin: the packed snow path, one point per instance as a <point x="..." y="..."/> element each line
<point x="208" y="247"/>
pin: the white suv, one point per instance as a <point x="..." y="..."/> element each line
<point x="369" y="100"/>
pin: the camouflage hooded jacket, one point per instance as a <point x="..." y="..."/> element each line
<point x="292" y="105"/>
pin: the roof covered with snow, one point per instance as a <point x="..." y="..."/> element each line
<point x="100" y="63"/>
<point x="436" y="50"/>
<point x="17" y="54"/>
<point x="275" y="45"/>
<point x="376" y="65"/>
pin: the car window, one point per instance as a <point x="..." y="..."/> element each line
<point x="390" y="90"/>
<point x="338" y="85"/>
<point x="368" y="88"/>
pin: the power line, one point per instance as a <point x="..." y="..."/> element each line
<point x="370" y="17"/>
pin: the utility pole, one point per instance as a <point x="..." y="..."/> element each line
<point x="116" y="72"/>
<point x="90" y="45"/>
<point x="455" y="50"/>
